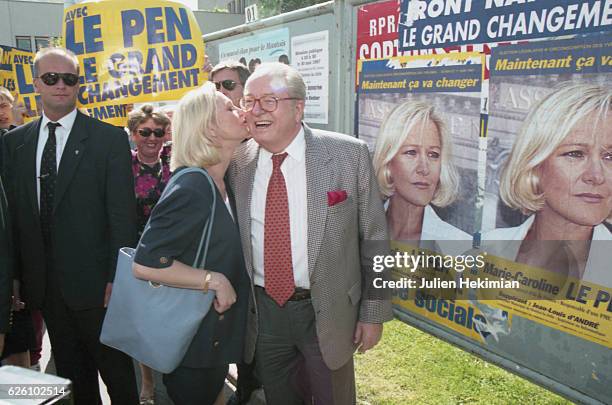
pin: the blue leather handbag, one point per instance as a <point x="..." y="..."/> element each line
<point x="141" y="319"/>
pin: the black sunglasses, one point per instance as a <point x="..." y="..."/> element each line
<point x="228" y="85"/>
<point x="146" y="132"/>
<point x="50" y="78"/>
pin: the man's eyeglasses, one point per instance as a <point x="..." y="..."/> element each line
<point x="267" y="103"/>
<point x="146" y="132"/>
<point x="228" y="85"/>
<point x="51" y="78"/>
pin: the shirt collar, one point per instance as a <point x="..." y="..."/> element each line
<point x="67" y="121"/>
<point x="296" y="149"/>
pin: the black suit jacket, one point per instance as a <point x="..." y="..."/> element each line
<point x="6" y="263"/>
<point x="94" y="211"/>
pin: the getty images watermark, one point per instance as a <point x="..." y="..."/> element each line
<point x="402" y="261"/>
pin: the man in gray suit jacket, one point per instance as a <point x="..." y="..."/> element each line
<point x="307" y="203"/>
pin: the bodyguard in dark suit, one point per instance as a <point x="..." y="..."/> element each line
<point x="72" y="202"/>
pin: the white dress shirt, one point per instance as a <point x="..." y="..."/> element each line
<point x="229" y="207"/>
<point x="294" y="171"/>
<point x="61" y="137"/>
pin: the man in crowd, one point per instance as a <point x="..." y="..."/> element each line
<point x="305" y="216"/>
<point x="71" y="196"/>
<point x="6" y="118"/>
<point x="230" y="77"/>
<point x="6" y="109"/>
<point x="12" y="111"/>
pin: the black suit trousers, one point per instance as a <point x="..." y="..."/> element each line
<point x="79" y="355"/>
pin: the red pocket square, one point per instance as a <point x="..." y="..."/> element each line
<point x="336" y="197"/>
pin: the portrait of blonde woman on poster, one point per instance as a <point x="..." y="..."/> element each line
<point x="414" y="168"/>
<point x="559" y="172"/>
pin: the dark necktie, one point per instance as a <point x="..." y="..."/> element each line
<point x="48" y="175"/>
<point x="278" y="264"/>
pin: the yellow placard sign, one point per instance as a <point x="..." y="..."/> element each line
<point x="450" y="307"/>
<point x="16" y="75"/>
<point x="134" y="52"/>
<point x="481" y="300"/>
<point x="561" y="302"/>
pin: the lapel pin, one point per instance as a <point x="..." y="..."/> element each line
<point x="76" y="152"/>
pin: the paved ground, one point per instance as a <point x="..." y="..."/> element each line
<point x="46" y="353"/>
<point x="257" y="398"/>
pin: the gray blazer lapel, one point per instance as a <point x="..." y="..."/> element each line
<point x="319" y="175"/>
<point x="246" y="163"/>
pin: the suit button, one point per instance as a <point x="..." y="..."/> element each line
<point x="252" y="310"/>
<point x="163" y="260"/>
<point x="216" y="344"/>
<point x="221" y="317"/>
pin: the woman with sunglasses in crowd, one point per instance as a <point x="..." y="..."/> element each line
<point x="151" y="170"/>
<point x="150" y="160"/>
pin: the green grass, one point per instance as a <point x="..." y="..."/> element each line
<point x="410" y="366"/>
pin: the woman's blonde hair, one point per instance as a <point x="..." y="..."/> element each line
<point x="393" y="133"/>
<point x="544" y="129"/>
<point x="193" y="140"/>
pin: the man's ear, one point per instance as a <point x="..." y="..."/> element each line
<point x="299" y="110"/>
<point x="36" y="83"/>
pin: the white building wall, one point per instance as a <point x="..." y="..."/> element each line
<point x="212" y="4"/>
<point x="44" y="19"/>
<point x="29" y="18"/>
<point x="211" y="22"/>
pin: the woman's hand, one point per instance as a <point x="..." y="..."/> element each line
<point x="183" y="276"/>
<point x="226" y="296"/>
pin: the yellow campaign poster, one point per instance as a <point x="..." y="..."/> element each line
<point x="481" y="300"/>
<point x="16" y="75"/>
<point x="133" y="52"/>
<point x="552" y="298"/>
<point x="114" y="114"/>
<point x="432" y="291"/>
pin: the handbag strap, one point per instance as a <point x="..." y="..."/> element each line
<point x="205" y="241"/>
<point x="200" y="258"/>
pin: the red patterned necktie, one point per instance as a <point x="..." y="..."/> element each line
<point x="278" y="265"/>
